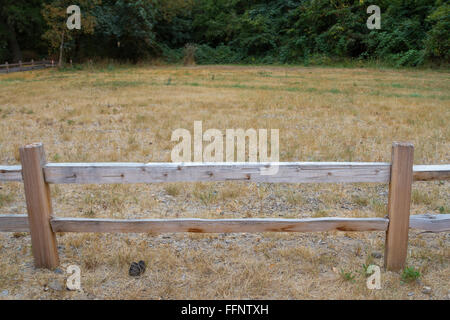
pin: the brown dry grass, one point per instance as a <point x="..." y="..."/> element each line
<point x="129" y="113"/>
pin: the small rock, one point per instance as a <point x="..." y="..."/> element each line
<point x="376" y="255"/>
<point x="137" y="268"/>
<point x="410" y="294"/>
<point x="426" y="290"/>
<point x="55" y="285"/>
<point x="58" y="271"/>
<point x="5" y="293"/>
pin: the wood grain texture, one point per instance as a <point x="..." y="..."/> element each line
<point x="10" y="173"/>
<point x="431" y="172"/>
<point x="399" y="202"/>
<point x="430" y="222"/>
<point x="420" y="172"/>
<point x="39" y="207"/>
<point x="19" y="222"/>
<point x="218" y="226"/>
<point x="14" y="223"/>
<point x="288" y="172"/>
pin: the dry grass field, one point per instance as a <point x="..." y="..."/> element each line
<point x="128" y="114"/>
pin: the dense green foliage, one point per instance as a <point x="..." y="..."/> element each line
<point x="413" y="32"/>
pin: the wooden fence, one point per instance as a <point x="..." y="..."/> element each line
<point x="37" y="174"/>
<point x="26" y="66"/>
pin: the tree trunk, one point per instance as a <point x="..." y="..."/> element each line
<point x="61" y="50"/>
<point x="12" y="42"/>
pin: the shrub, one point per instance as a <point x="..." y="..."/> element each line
<point x="437" y="42"/>
<point x="347" y="276"/>
<point x="220" y="55"/>
<point x="410" y="274"/>
<point x="411" y="58"/>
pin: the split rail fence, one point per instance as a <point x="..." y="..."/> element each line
<point x="26" y="66"/>
<point x="37" y="175"/>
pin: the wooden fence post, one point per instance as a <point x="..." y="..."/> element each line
<point x="7" y="67"/>
<point x="20" y="65"/>
<point x="399" y="203"/>
<point x="39" y="206"/>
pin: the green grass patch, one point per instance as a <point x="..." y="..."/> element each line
<point x="335" y="91"/>
<point x="117" y="84"/>
<point x="7" y="80"/>
<point x="410" y="274"/>
<point x="347" y="276"/>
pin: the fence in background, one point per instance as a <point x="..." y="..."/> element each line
<point x="26" y="66"/>
<point x="37" y="174"/>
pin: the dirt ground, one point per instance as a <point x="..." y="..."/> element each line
<point x="124" y="113"/>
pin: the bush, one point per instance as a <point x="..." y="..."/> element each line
<point x="411" y="58"/>
<point x="437" y="43"/>
<point x="172" y="55"/>
<point x="220" y="55"/>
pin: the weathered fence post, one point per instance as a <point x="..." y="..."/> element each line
<point x="39" y="206"/>
<point x="399" y="203"/>
<point x="20" y="65"/>
<point x="32" y="64"/>
<point x="7" y="67"/>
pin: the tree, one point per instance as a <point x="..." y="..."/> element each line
<point x="129" y="24"/>
<point x="18" y="18"/>
<point x="437" y="43"/>
<point x="231" y="31"/>
<point x="55" y="15"/>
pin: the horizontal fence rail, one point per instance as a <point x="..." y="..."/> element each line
<point x="37" y="175"/>
<point x="426" y="222"/>
<point x="288" y="172"/>
<point x="26" y="66"/>
<point x="11" y="173"/>
<point x="29" y="63"/>
<point x="14" y="223"/>
<point x="431" y="172"/>
<point x="219" y="225"/>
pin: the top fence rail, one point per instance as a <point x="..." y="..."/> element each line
<point x="287" y="172"/>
